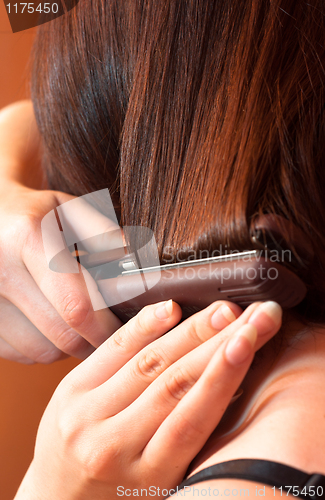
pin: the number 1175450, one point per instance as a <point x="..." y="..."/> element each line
<point x="30" y="8"/>
<point x="314" y="491"/>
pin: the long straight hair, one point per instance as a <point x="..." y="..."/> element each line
<point x="197" y="114"/>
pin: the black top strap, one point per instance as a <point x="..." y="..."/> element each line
<point x="311" y="486"/>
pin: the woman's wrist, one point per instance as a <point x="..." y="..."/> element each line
<point x="10" y="185"/>
<point x="20" y="146"/>
<point x="28" y="489"/>
<point x="16" y="172"/>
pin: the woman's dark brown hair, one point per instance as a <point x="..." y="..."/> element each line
<point x="197" y="114"/>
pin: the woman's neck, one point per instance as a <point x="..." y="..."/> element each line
<point x="281" y="414"/>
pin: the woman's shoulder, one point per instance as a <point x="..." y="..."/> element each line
<point x="247" y="477"/>
<point x="288" y="444"/>
<point x="276" y="429"/>
<point x="282" y="421"/>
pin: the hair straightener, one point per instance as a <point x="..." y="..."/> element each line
<point x="240" y="277"/>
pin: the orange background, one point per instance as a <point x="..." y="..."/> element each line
<point x="24" y="390"/>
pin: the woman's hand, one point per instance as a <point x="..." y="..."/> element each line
<point x="138" y="410"/>
<point x="42" y="314"/>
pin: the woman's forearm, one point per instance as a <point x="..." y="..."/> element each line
<point x="20" y="146"/>
<point x="27" y="490"/>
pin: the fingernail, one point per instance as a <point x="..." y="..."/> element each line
<point x="266" y="317"/>
<point x="164" y="310"/>
<point x="241" y="345"/>
<point x="222" y="317"/>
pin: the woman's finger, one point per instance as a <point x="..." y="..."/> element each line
<point x="184" y="432"/>
<point x="28" y="298"/>
<point x="68" y="295"/>
<point x="23" y="336"/>
<point x="11" y="354"/>
<point x="166" y="392"/>
<point x="67" y="292"/>
<point x="136" y="375"/>
<point x="217" y="320"/>
<point x="83" y="223"/>
<point x="149" y="324"/>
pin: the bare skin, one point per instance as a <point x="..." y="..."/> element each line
<point x="277" y="397"/>
<point x="148" y="411"/>
<point x="44" y="316"/>
<point x="279" y="417"/>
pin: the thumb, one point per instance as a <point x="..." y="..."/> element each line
<point x="90" y="221"/>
